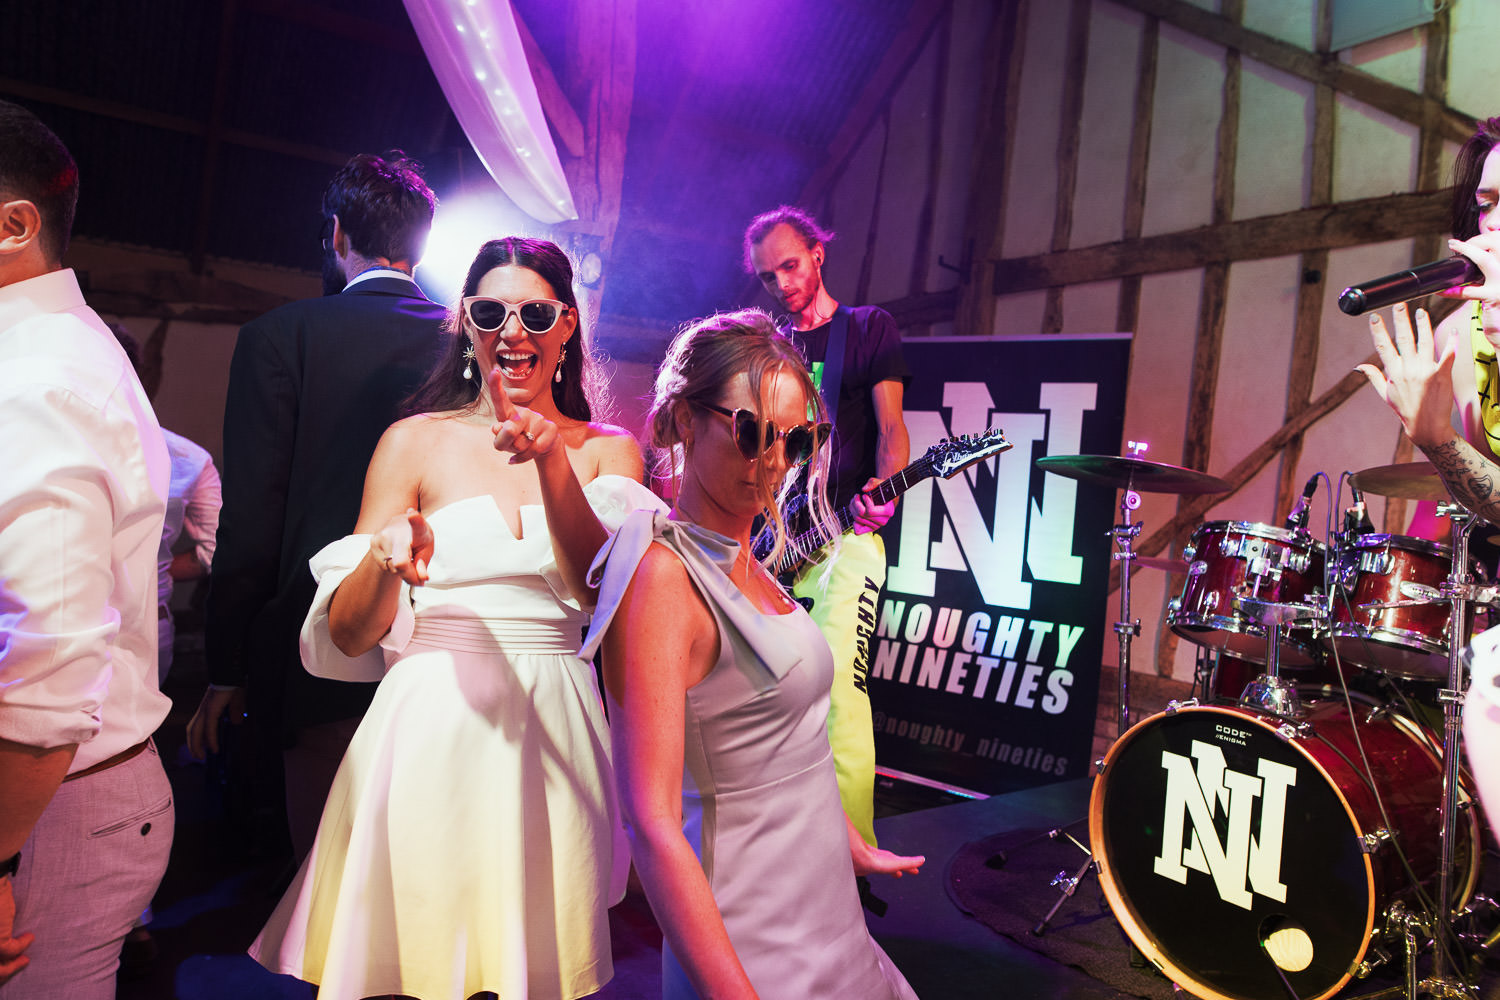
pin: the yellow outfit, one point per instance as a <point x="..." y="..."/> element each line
<point x="1486" y="380"/>
<point x="844" y="606"/>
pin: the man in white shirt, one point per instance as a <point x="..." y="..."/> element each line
<point x="85" y="807"/>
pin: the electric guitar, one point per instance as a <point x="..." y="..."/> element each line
<point x="945" y="459"/>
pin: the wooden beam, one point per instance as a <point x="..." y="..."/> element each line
<point x="1140" y="158"/>
<point x="1192" y="512"/>
<point x="213" y="137"/>
<point x="872" y="232"/>
<point x="1398" y="102"/>
<point x="1069" y="137"/>
<point x="601" y="78"/>
<point x="998" y="107"/>
<point x="1203" y="389"/>
<point x="883" y="83"/>
<point x="555" y="104"/>
<point x="1307" y="325"/>
<point x="1325" y="227"/>
<point x="168" y="123"/>
<point x="152" y="288"/>
<point x="924" y="309"/>
<point x="937" y="123"/>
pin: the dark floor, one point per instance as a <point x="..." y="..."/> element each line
<point x="217" y="893"/>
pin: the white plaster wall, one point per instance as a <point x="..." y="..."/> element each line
<point x="1473" y="70"/>
<point x="1293" y="21"/>
<point x="1107" y="121"/>
<point x="1156" y="403"/>
<point x="1373" y="154"/>
<point x="1091" y="307"/>
<point x="1031" y="188"/>
<point x="1274" y="153"/>
<point x="1184" y="132"/>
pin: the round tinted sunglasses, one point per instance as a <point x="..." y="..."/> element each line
<point x="754" y="438"/>
<point x="489" y="315"/>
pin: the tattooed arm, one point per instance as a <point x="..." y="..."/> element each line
<point x="1473" y="480"/>
<point x="1417" y="383"/>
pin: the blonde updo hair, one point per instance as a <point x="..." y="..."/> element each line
<point x="703" y="359"/>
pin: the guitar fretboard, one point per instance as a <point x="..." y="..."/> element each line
<point x="800" y="546"/>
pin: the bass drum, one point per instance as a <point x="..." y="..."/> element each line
<point x="1216" y="829"/>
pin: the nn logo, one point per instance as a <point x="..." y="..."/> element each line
<point x="1244" y="860"/>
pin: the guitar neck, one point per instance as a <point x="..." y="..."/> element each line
<point x="800" y="546"/>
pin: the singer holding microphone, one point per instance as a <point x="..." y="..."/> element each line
<point x="1418" y="382"/>
<point x="1473" y="330"/>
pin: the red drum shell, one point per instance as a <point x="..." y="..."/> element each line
<point x="1225" y="555"/>
<point x="1200" y="930"/>
<point x="1406" y="641"/>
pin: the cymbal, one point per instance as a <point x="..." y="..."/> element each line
<point x="1406" y="481"/>
<point x="1133" y="474"/>
<point x="1161" y="562"/>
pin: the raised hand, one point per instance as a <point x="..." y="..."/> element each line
<point x="1417" y="382"/>
<point x="404" y="547"/>
<point x="525" y="433"/>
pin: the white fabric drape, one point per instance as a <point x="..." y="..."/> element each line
<point x="475" y="51"/>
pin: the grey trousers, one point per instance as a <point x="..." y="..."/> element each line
<point x="89" y="868"/>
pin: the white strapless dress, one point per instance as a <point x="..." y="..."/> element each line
<point x="471" y="840"/>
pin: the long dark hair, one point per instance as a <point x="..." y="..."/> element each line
<point x="1468" y="167"/>
<point x="446" y="389"/>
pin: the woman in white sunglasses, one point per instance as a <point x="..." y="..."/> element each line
<point x="718" y="685"/>
<point x="469" y="841"/>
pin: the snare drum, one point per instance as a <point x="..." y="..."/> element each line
<point x="1408" y="636"/>
<point x="1227" y="559"/>
<point x="1215" y="827"/>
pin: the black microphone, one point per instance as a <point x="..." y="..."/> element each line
<point x="1297" y="519"/>
<point x="1423" y="280"/>
<point x="1357" y="517"/>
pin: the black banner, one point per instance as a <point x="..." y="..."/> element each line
<point x="984" y="665"/>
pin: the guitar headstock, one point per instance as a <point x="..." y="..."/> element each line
<point x="951" y="455"/>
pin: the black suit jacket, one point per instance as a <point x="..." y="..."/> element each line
<point x="312" y="386"/>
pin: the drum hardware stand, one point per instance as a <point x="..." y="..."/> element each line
<point x="1442" y="981"/>
<point x="1067" y="883"/>
<point x="1126" y="629"/>
<point x="1124" y="534"/>
<point x="1270" y="691"/>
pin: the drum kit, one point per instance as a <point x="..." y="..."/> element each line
<point x="1289" y="831"/>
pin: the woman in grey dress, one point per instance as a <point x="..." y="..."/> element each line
<point x="718" y="686"/>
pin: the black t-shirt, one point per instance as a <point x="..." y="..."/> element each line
<point x="872" y="354"/>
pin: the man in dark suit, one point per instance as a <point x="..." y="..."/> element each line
<point x="312" y="386"/>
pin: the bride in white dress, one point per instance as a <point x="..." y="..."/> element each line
<point x="470" y="841"/>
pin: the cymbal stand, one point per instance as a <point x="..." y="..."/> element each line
<point x="1124" y="535"/>
<point x="1126" y="629"/>
<point x="1443" y="982"/>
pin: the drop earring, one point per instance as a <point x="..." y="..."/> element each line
<point x="469" y="361"/>
<point x="562" y="356"/>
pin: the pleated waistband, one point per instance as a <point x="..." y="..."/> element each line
<point x="485" y="635"/>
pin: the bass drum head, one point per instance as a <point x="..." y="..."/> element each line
<point x="1212" y="833"/>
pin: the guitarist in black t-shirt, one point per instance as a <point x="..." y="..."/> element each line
<point x="855" y="357"/>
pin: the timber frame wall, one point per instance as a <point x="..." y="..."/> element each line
<point x="1411" y="219"/>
